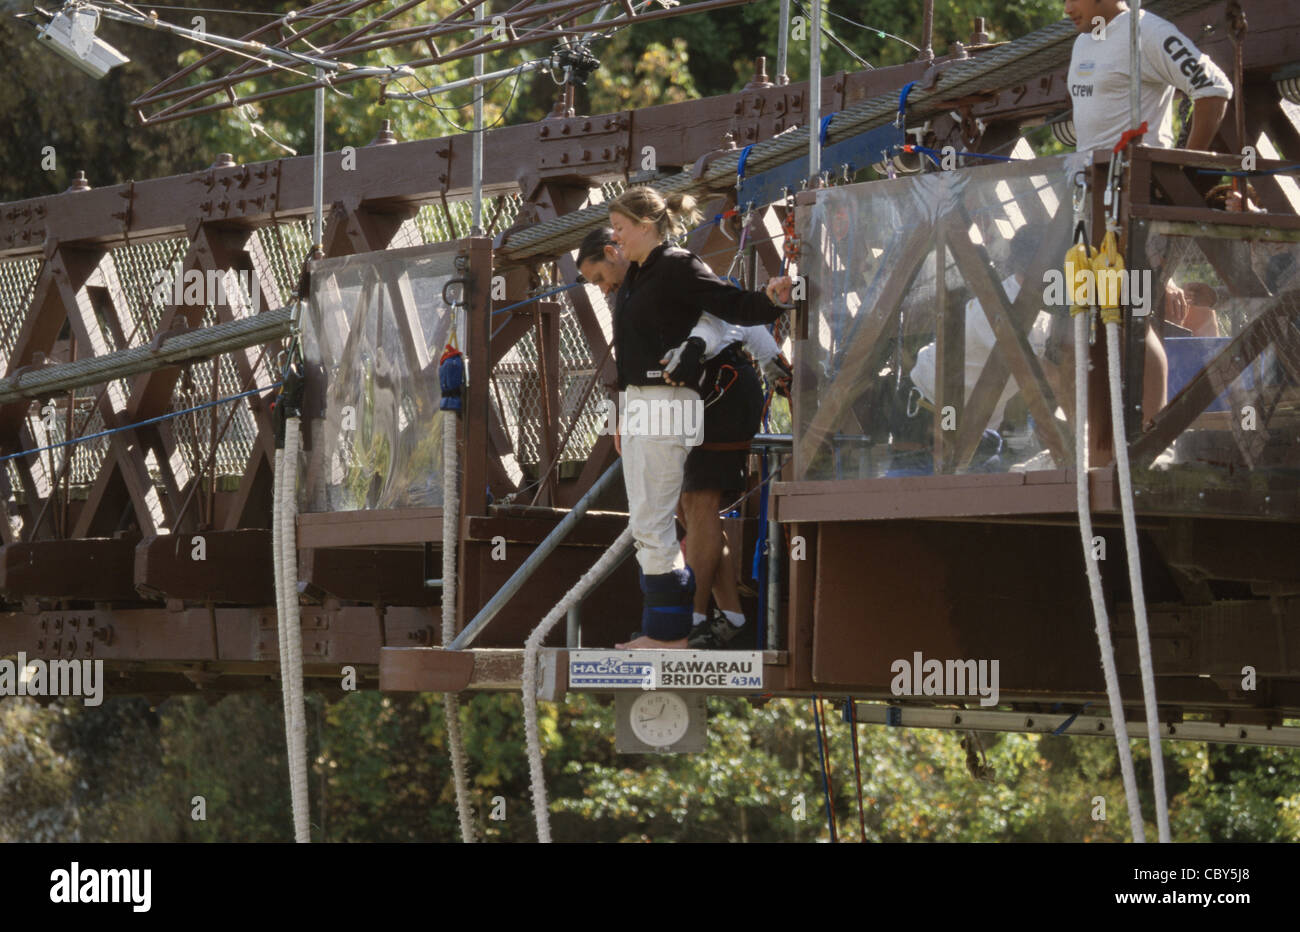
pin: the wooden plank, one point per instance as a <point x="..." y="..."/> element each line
<point x="982" y="494"/>
<point x="1209" y="215"/>
<point x="369" y="528"/>
<point x="949" y="363"/>
<point x="596" y="529"/>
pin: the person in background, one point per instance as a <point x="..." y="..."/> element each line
<point x="1195" y="311"/>
<point x="718" y="466"/>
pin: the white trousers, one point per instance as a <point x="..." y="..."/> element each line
<point x="654" y="464"/>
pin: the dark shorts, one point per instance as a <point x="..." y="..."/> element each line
<point x="733" y="418"/>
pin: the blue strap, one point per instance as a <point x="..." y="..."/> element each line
<point x="1061" y="729"/>
<point x="758" y="571"/>
<point x="902" y="100"/>
<point x="740" y="166"/>
<point x="545" y="294"/>
<point x="826" y="122"/>
<point x="935" y="153"/>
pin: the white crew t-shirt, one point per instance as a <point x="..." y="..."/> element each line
<point x="1099" y="81"/>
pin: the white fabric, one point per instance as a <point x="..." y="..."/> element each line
<point x="1099" y="81"/>
<point x="653" y="469"/>
<point x="980" y="341"/>
<point x="717" y="335"/>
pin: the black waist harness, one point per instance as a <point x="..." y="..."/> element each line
<point x="722" y="372"/>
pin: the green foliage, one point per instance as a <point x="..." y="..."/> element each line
<point x="44" y="101"/>
<point x="380" y="772"/>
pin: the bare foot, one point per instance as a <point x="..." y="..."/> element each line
<point x="645" y="643"/>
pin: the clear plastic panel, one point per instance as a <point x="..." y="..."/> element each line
<point x="884" y="388"/>
<point x="1227" y="440"/>
<point x="373" y="333"/>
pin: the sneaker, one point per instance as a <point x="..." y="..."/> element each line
<point x="714" y="632"/>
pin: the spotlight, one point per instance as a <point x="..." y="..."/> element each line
<point x="72" y="35"/>
<point x="1063" y="129"/>
<point x="1288" y="83"/>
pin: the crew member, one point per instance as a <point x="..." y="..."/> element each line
<point x="1099" y="80"/>
<point x="659" y="302"/>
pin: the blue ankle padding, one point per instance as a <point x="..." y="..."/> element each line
<point x="669" y="604"/>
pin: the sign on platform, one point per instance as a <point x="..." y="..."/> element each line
<point x="712" y="671"/>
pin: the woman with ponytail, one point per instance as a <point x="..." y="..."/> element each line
<point x="659" y="346"/>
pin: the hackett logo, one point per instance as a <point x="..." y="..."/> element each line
<point x="105" y="885"/>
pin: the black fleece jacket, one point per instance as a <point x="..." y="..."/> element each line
<point x="659" y="302"/>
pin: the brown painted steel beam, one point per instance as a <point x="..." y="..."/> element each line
<point x="91" y="570"/>
<point x="387" y="577"/>
<point x="208" y="566"/>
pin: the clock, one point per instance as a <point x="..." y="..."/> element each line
<point x="659" y="719"/>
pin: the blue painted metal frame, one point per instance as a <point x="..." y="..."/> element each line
<point x="856" y="152"/>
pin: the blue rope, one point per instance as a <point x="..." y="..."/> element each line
<point x="146" y="423"/>
<point x="758" y="569"/>
<point x="821" y="754"/>
<point x="934" y="153"/>
<point x="1061" y="729"/>
<point x="826" y="123"/>
<point x="546" y="294"/>
<point x="740" y="166"/>
<point x="902" y="100"/>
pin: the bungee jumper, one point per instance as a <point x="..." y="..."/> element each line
<point x="659" y="359"/>
<point x="733" y="406"/>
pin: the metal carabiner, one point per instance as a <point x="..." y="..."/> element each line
<point x="1080" y="193"/>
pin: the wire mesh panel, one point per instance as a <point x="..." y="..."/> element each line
<point x="285" y="246"/>
<point x="442" y="223"/>
<point x="137" y="267"/>
<point x="516" y="394"/>
<point x="372" y="336"/>
<point x="17" y="279"/>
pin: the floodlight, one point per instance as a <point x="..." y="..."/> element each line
<point x="72" y="35"/>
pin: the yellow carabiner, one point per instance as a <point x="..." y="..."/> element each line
<point x="1078" y="258"/>
<point x="1108" y="272"/>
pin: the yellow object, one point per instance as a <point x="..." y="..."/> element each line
<point x="1108" y="272"/>
<point x="1078" y="258"/>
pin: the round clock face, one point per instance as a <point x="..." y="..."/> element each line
<point x="660" y="719"/>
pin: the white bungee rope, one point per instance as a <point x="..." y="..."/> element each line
<point x="1099" y="613"/>
<point x="1108" y="260"/>
<point x="536" y="777"/>
<point x="1078" y="259"/>
<point x="450" y="536"/>
<point x="1135" y="580"/>
<point x="277" y="549"/>
<point x="291" y="678"/>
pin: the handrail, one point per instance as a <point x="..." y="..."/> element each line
<point x="535" y="559"/>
